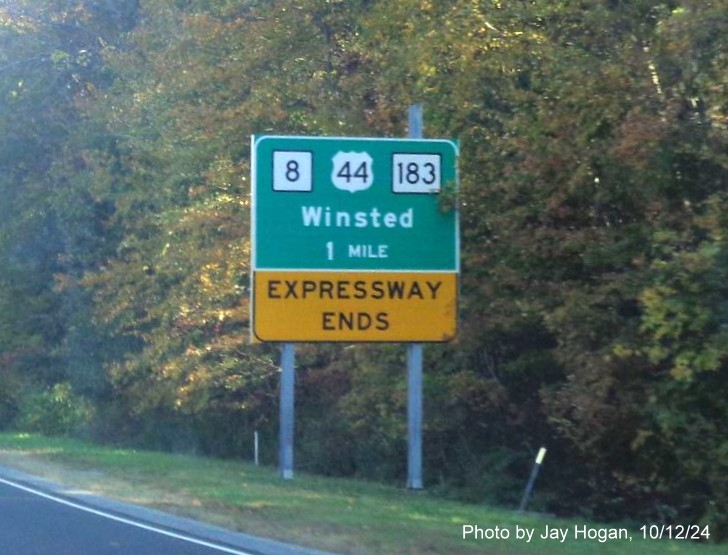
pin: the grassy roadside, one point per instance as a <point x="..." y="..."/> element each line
<point x="345" y="516"/>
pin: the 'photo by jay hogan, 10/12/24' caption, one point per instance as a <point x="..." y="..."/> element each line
<point x="582" y="532"/>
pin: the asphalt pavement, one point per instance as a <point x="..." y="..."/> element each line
<point x="38" y="517"/>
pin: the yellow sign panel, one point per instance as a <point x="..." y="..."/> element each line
<point x="292" y="306"/>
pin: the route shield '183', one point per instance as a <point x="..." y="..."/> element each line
<point x="354" y="239"/>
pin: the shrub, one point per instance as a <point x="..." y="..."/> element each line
<point x="54" y="412"/>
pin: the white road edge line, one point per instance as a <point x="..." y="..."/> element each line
<point x="126" y="521"/>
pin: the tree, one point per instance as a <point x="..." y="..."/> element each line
<point x="51" y="66"/>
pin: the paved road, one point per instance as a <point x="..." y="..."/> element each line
<point x="38" y="517"/>
<point x="35" y="523"/>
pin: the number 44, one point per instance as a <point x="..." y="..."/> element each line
<point x="359" y="173"/>
<point x="352" y="171"/>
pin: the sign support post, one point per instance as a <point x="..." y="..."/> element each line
<point x="287" y="404"/>
<point x="414" y="416"/>
<point x="414" y="362"/>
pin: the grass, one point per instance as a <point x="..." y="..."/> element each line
<point x="345" y="516"/>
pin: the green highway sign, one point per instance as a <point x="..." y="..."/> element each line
<point x="351" y="241"/>
<point x="329" y="203"/>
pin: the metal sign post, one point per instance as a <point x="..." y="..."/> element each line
<point x="532" y="479"/>
<point x="287" y="407"/>
<point x="414" y="363"/>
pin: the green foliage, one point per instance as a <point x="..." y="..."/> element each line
<point x="55" y="412"/>
<point x="50" y="71"/>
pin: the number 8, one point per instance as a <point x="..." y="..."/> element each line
<point x="292" y="173"/>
